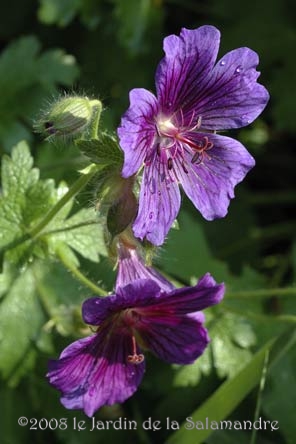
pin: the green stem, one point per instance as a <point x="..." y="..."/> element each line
<point x="80" y="276"/>
<point x="96" y="114"/>
<point x="262" y="293"/>
<point x="75" y="188"/>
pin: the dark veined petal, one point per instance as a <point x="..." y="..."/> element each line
<point x="137" y="131"/>
<point x="232" y="98"/>
<point x="210" y="183"/>
<point x="131" y="267"/>
<point x="175" y="339"/>
<point x="93" y="372"/>
<point x="139" y="292"/>
<point x="159" y="203"/>
<point x="183" y="71"/>
<point x="189" y="299"/>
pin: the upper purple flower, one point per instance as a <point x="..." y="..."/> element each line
<point x="108" y="366"/>
<point x="174" y="134"/>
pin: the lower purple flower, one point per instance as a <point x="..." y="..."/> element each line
<point x="107" y="367"/>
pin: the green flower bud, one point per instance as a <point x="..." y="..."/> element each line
<point x="69" y="117"/>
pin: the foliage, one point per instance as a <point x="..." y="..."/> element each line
<point x="53" y="240"/>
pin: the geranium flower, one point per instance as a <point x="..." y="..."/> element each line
<point x="174" y="133"/>
<point x="107" y="367"/>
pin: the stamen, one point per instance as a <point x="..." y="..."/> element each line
<point x="196" y="158"/>
<point x="135" y="358"/>
<point x="184" y="167"/>
<point x="201" y="149"/>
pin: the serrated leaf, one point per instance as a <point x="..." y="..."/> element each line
<point x="82" y="232"/>
<point x="21" y="320"/>
<point x="229" y="350"/>
<point x="232" y="338"/>
<point x="24" y="199"/>
<point x="104" y="151"/>
<point x="190" y="375"/>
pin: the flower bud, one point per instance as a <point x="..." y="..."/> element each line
<point x="69" y="117"/>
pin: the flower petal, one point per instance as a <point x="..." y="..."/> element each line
<point x="138" y="293"/>
<point x="210" y="184"/>
<point x="93" y="372"/>
<point x="183" y="71"/>
<point x="131" y="267"/>
<point x="189" y="299"/>
<point x="175" y="339"/>
<point x="159" y="203"/>
<point x="232" y="97"/>
<point x="137" y="131"/>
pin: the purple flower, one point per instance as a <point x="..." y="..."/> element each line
<point x="107" y="367"/>
<point x="174" y="134"/>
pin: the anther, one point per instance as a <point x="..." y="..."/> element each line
<point x="135" y="359"/>
<point x="170" y="163"/>
<point x="184" y="167"/>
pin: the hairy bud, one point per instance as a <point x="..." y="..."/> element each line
<point x="69" y="117"/>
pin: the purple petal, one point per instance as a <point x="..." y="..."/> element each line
<point x="137" y="131"/>
<point x="189" y="299"/>
<point x="159" y="203"/>
<point x="93" y="372"/>
<point x="210" y="184"/>
<point x="186" y="66"/>
<point x="140" y="292"/>
<point x="131" y="267"/>
<point x="232" y="97"/>
<point x="179" y="340"/>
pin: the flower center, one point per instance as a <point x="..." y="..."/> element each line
<point x="174" y="141"/>
<point x="166" y="128"/>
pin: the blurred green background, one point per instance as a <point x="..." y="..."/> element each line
<point x="102" y="49"/>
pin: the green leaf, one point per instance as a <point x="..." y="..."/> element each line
<point x="230" y="349"/>
<point x="25" y="202"/>
<point x="60" y="12"/>
<point x="25" y="198"/>
<point x="55" y="66"/>
<point x="104" y="151"/>
<point x="82" y="232"/>
<point x="134" y="18"/>
<point x="21" y="321"/>
<point x="229" y="395"/>
<point x="61" y="298"/>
